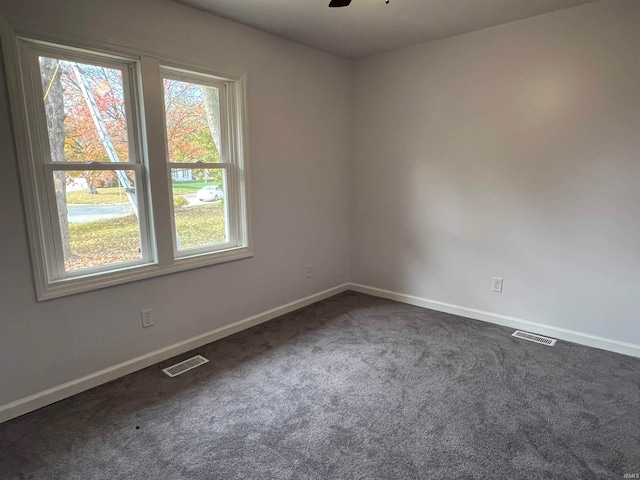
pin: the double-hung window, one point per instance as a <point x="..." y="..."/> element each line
<point x="194" y="108"/>
<point x="131" y="166"/>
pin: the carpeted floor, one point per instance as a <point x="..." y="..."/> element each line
<point x="353" y="387"/>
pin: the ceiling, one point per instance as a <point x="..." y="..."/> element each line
<point x="367" y="27"/>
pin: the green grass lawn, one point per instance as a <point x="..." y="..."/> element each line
<point x="182" y="188"/>
<point x="104" y="196"/>
<point x="103" y="242"/>
<point x="200" y="225"/>
<point x="116" y="240"/>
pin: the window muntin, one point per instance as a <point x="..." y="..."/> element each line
<point x="147" y="245"/>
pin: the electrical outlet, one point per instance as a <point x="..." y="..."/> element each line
<point x="147" y="318"/>
<point x="308" y="271"/>
<point x="496" y="285"/>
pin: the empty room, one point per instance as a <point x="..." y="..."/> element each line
<point x="321" y="239"/>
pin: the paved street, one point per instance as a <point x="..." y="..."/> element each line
<point x="90" y="213"/>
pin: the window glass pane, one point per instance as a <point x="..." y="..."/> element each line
<point x="85" y="110"/>
<point x="199" y="202"/>
<point x="193" y="122"/>
<point x="98" y="217"/>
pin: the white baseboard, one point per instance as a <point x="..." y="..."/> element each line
<point x="517" y="323"/>
<point x="54" y="394"/>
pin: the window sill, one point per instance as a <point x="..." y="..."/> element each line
<point x="62" y="288"/>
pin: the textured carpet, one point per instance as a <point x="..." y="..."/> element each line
<point x="353" y="387"/>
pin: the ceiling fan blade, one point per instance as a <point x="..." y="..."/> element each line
<point x="339" y="3"/>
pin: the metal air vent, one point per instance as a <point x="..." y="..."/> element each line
<point x="188" y="364"/>
<point x="532" y="337"/>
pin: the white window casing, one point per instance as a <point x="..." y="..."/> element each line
<point x="148" y="163"/>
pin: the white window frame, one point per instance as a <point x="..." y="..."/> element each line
<point x="148" y="158"/>
<point x="43" y="168"/>
<point x="229" y="161"/>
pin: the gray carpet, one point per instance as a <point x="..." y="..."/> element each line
<point x="353" y="387"/>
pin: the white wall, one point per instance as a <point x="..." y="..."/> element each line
<point x="512" y="151"/>
<point x="299" y="195"/>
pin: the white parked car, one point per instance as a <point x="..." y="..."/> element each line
<point x="210" y="193"/>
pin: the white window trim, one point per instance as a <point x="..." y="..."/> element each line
<point x="44" y="169"/>
<point x="152" y="150"/>
<point x="228" y="156"/>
